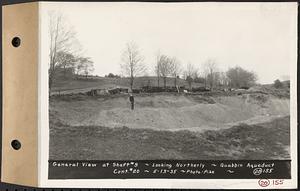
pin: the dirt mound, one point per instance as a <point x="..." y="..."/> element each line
<point x="268" y="141"/>
<point x="283" y="92"/>
<point x="169" y="111"/>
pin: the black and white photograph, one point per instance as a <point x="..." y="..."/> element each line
<point x="169" y="82"/>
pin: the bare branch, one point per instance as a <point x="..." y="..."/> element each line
<point x="132" y="62"/>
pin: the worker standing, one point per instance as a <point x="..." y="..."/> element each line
<point x="131" y="99"/>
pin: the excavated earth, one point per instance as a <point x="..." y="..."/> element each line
<point x="169" y="126"/>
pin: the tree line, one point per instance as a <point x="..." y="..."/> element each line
<point x="66" y="57"/>
<point x="170" y="67"/>
<point x="65" y="52"/>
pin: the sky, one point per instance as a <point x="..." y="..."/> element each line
<point x="259" y="37"/>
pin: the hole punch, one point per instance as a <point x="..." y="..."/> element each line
<point x="16" y="42"/>
<point x="16" y="144"/>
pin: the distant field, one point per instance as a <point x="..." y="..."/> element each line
<point x="105" y="82"/>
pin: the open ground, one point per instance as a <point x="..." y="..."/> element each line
<point x="213" y="125"/>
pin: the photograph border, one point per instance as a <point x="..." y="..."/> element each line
<point x="172" y="183"/>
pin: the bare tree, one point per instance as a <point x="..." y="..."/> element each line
<point x="210" y="69"/>
<point x="239" y="77"/>
<point x="85" y="66"/>
<point x="175" y="69"/>
<point x="156" y="69"/>
<point x="78" y="66"/>
<point x="223" y="79"/>
<point x="165" y="68"/>
<point x="62" y="39"/>
<point x="190" y="74"/>
<point x="132" y="62"/>
<point x="65" y="60"/>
